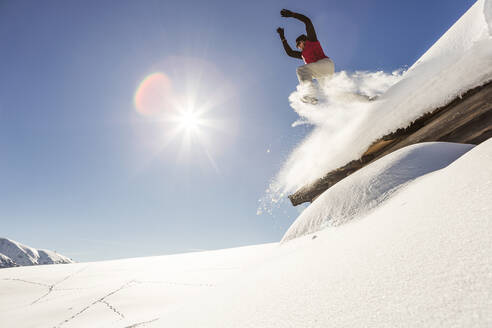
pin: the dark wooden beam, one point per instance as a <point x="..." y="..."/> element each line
<point x="467" y="119"/>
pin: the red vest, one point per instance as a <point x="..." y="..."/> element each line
<point x="312" y="52"/>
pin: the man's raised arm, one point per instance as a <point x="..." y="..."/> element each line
<point x="311" y="34"/>
<point x="288" y="49"/>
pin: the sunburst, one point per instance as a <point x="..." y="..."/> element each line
<point x="185" y="105"/>
<point x="190" y="121"/>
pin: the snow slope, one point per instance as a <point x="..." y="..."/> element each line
<point x="345" y="127"/>
<point x="16" y="254"/>
<point x="118" y="293"/>
<point x="422" y="258"/>
<point x="360" y="192"/>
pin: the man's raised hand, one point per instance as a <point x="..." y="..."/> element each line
<point x="286" y="13"/>
<point x="280" y="32"/>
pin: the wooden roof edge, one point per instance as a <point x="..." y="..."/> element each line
<point x="310" y="192"/>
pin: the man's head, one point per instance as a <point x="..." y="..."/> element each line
<point x="300" y="41"/>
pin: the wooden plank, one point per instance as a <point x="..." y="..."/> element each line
<point x="467" y="119"/>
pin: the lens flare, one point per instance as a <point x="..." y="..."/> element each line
<point x="154" y="95"/>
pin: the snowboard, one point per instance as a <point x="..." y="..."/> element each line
<point x="309" y="100"/>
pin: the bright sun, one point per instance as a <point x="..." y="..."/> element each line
<point x="192" y="126"/>
<point x="189" y="120"/>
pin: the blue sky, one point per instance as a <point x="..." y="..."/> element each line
<point x="83" y="173"/>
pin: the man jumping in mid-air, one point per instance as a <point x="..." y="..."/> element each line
<point x="317" y="65"/>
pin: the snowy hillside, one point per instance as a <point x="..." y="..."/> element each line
<point x="13" y="253"/>
<point x="6" y="262"/>
<point x="459" y="61"/>
<point x="421" y="258"/>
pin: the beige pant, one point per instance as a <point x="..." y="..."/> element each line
<point x="322" y="69"/>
